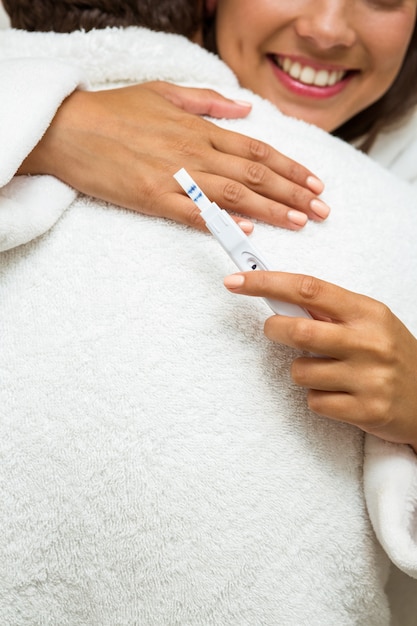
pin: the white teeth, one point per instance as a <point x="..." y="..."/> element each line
<point x="308" y="75"/>
<point x="333" y="78"/>
<point x="322" y="76"/>
<point x="295" y="70"/>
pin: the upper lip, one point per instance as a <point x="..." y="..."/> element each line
<point x="313" y="63"/>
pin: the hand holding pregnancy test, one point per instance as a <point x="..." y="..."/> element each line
<point x="234" y="241"/>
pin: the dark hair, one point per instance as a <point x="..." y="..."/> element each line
<point x="398" y="102"/>
<point x="174" y="16"/>
<point x="391" y="109"/>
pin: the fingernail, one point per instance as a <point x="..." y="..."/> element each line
<point x="243" y="103"/>
<point x="296" y="217"/>
<point x="246" y="226"/>
<point x="315" y="184"/>
<point x="320" y="208"/>
<point x="234" y="281"/>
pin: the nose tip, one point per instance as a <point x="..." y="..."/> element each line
<point x="326" y="30"/>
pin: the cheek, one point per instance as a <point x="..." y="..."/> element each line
<point x="389" y="65"/>
<point x="391" y="51"/>
<point x="387" y="55"/>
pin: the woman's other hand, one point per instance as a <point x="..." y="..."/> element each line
<point x="368" y="374"/>
<point x="123" y="146"/>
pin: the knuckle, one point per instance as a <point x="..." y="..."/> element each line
<point x="233" y="193"/>
<point x="309" y="287"/>
<point x="146" y="194"/>
<point x="295" y="171"/>
<point x="376" y="413"/>
<point x="376" y="398"/>
<point x="299" y="197"/>
<point x="385" y="348"/>
<point x="302" y="332"/>
<point x="258" y="150"/>
<point x="385" y="317"/>
<point x="185" y="147"/>
<point x="298" y="373"/>
<point x="381" y="311"/>
<point x="194" y="218"/>
<point x="256" y="173"/>
<point x="193" y="124"/>
<point x="210" y="93"/>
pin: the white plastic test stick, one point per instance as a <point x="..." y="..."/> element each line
<point x="237" y="245"/>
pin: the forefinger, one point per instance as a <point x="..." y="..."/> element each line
<point x="321" y="298"/>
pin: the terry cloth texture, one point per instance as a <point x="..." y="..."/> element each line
<point x="158" y="465"/>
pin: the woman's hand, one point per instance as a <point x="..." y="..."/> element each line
<point x="123" y="145"/>
<point x="368" y="376"/>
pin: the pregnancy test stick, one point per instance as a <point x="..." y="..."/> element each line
<point x="234" y="241"/>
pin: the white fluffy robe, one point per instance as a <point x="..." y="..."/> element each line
<point x="158" y="466"/>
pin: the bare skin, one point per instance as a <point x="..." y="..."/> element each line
<point x="109" y="144"/>
<point x="368" y="377"/>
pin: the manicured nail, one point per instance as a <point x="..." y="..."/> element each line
<point x="315" y="184"/>
<point x="243" y="103"/>
<point x="320" y="208"/>
<point x="296" y="217"/>
<point x="246" y="226"/>
<point x="234" y="281"/>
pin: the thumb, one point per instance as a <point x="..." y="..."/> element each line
<point x="201" y="101"/>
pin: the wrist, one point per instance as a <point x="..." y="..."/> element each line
<point x="49" y="156"/>
<point x="34" y="162"/>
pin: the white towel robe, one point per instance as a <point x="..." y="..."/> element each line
<point x="158" y="465"/>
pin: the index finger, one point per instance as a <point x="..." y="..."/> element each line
<point x="319" y="297"/>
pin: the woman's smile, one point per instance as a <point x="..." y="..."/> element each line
<point x="319" y="61"/>
<point x="308" y="78"/>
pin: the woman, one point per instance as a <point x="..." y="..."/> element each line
<point x="365" y="86"/>
<point x="208" y="441"/>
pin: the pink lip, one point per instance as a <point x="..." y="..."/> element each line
<point x="314" y="64"/>
<point x="309" y="91"/>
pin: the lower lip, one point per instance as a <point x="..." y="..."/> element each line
<point x="309" y="91"/>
